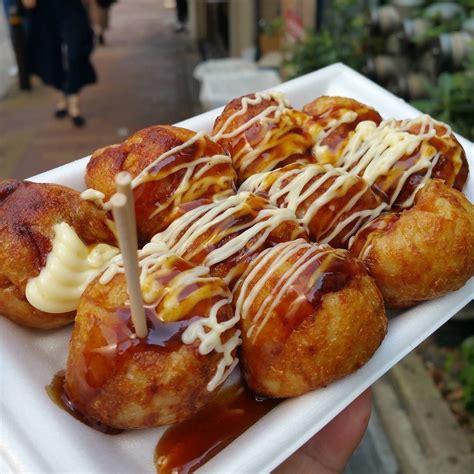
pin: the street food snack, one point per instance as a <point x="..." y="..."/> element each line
<point x="156" y="336"/>
<point x="52" y="244"/>
<point x="399" y="157"/>
<point x="262" y="132"/>
<point x="127" y="382"/>
<point x="334" y="120"/>
<point x="422" y="252"/>
<point x="328" y="202"/>
<point x="170" y="166"/>
<point x="227" y="235"/>
<point x="310" y="314"/>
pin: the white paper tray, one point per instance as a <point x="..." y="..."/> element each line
<point x="36" y="436"/>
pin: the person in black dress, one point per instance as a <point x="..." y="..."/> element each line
<point x="182" y="14"/>
<point x="60" y="44"/>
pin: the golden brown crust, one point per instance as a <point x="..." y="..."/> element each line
<point x="131" y="386"/>
<point x="421" y="253"/>
<point x="324" y="105"/>
<point x="335" y="329"/>
<point x="248" y="211"/>
<point x="324" y="109"/>
<point x="289" y="142"/>
<point x="451" y="167"/>
<point x="160" y="188"/>
<point x="353" y="196"/>
<point x="332" y="127"/>
<point x="28" y="212"/>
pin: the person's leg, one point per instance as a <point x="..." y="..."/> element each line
<point x="182" y="13"/>
<point x="45" y="55"/>
<point x="77" y="38"/>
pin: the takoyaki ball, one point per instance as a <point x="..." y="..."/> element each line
<point x="227" y="235"/>
<point x="28" y="215"/>
<point x="262" y="132"/>
<point x="334" y="120"/>
<point x="446" y="157"/>
<point x="329" y="203"/>
<point x="169" y="165"/>
<point x="310" y="314"/>
<point x="397" y="158"/>
<point x="127" y="382"/>
<point x="423" y="252"/>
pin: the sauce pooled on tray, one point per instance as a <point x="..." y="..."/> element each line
<point x="59" y="396"/>
<point x="188" y="445"/>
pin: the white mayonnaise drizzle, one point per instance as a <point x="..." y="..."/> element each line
<point x="191" y="166"/>
<point x="154" y="261"/>
<point x="265" y="266"/>
<point x="192" y="183"/>
<point x="183" y="234"/>
<point x="373" y="151"/>
<point x="297" y="190"/>
<point x="323" y="129"/>
<point x="70" y="267"/>
<point x="281" y="107"/>
<point x="94" y="196"/>
<point x="278" y="112"/>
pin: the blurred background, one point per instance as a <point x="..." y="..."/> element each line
<point x="161" y="61"/>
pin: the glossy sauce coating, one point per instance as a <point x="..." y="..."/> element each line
<point x="361" y="242"/>
<point x="334" y="119"/>
<point x="187" y="446"/>
<point x="57" y="393"/>
<point x="398" y="157"/>
<point x="285" y="285"/>
<point x="226" y="235"/>
<point x="112" y="345"/>
<point x="280" y="137"/>
<point x="328" y="202"/>
<point x="309" y="314"/>
<point x="170" y="166"/>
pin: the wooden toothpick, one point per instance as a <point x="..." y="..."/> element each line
<point x="122" y="209"/>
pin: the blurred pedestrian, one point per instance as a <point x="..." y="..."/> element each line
<point x="182" y="14"/>
<point x="99" y="11"/>
<point x="60" y="44"/>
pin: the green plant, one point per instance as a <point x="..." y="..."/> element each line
<point x="452" y="100"/>
<point x="273" y="27"/>
<point x="466" y="376"/>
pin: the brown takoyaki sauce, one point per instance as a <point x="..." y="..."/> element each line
<point x="114" y="344"/>
<point x="366" y="235"/>
<point x="341" y="133"/>
<point x="188" y="445"/>
<point x="59" y="396"/>
<point x="330" y="274"/>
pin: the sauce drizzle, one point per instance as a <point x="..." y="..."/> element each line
<point x="188" y="445"/>
<point x="57" y="393"/>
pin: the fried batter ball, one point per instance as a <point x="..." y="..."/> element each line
<point x="227" y="235"/>
<point x="28" y="213"/>
<point x="127" y="382"/>
<point x="170" y="166"/>
<point x="310" y="314"/>
<point x="329" y="203"/>
<point x="334" y="120"/>
<point x="396" y="157"/>
<point x="262" y="132"/>
<point x="423" y="252"/>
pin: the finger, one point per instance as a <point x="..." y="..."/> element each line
<point x="329" y="451"/>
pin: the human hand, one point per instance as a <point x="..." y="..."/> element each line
<point x="329" y="451"/>
<point x="29" y="4"/>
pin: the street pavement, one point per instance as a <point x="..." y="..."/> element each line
<point x="144" y="79"/>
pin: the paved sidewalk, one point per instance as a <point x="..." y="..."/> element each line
<point x="418" y="423"/>
<point x="144" y="79"/>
